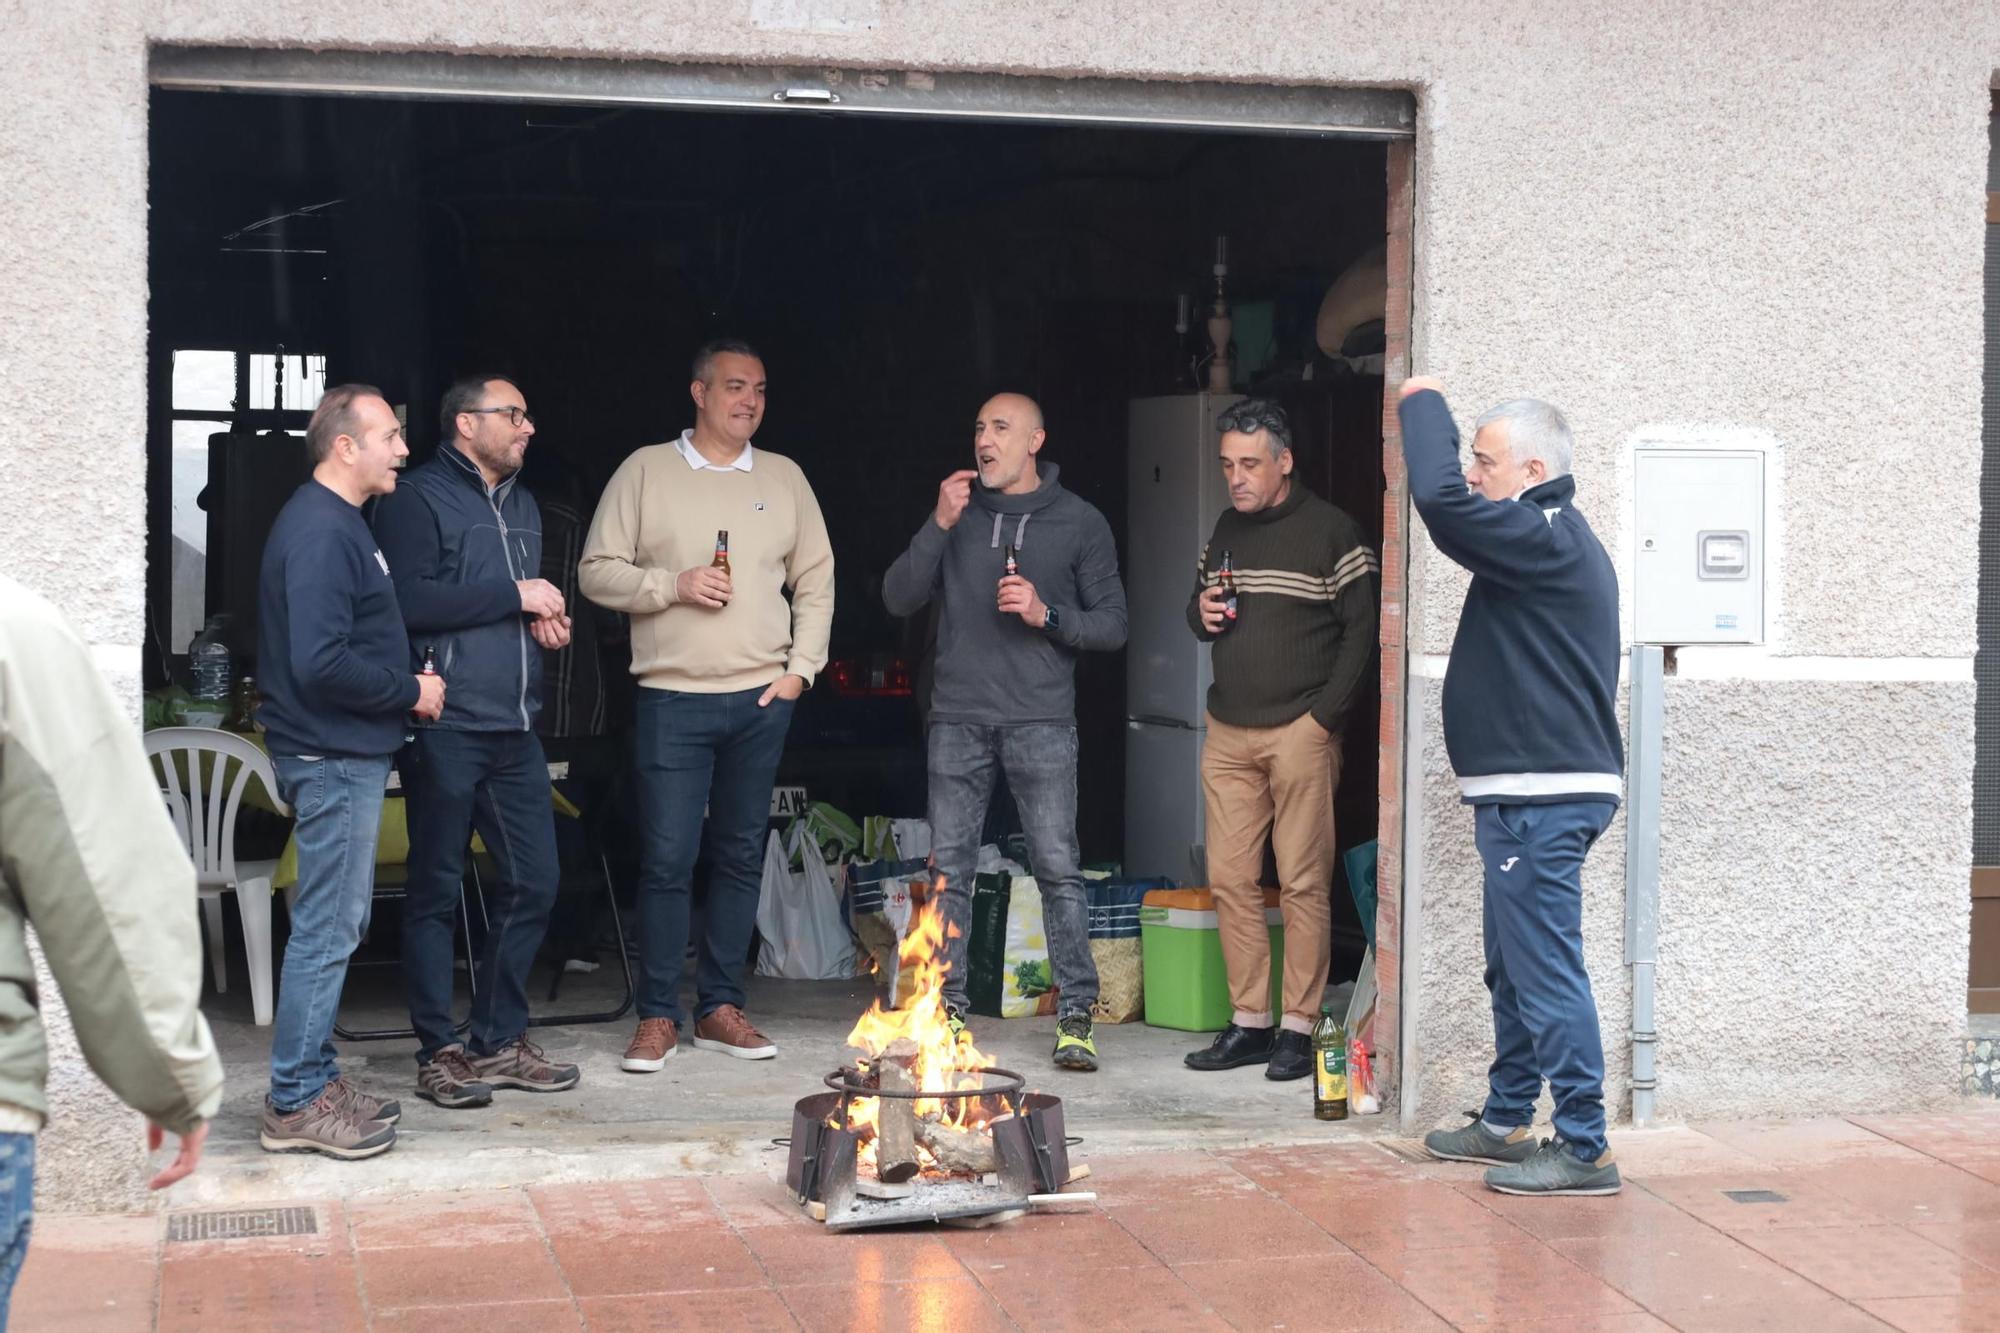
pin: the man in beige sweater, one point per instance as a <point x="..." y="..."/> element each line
<point x="720" y="664"/>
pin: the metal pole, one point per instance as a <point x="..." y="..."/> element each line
<point x="1642" y="868"/>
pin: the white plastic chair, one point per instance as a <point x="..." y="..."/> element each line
<point x="204" y="812"/>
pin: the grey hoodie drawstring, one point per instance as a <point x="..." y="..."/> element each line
<point x="1020" y="531"/>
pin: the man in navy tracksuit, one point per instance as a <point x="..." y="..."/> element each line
<point x="464" y="543"/>
<point x="1531" y="726"/>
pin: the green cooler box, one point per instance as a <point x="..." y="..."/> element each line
<point x="1187" y="987"/>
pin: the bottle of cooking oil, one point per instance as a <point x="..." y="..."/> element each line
<point x="1329" y="1042"/>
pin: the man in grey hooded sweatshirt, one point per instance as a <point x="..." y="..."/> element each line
<point x="1004" y="693"/>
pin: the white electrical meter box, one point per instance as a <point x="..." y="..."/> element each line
<point x="1698" y="557"/>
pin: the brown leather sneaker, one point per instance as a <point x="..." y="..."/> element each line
<point x="728" y="1031"/>
<point x="652" y="1046"/>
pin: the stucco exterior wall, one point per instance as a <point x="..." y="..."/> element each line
<point x="1706" y="217"/>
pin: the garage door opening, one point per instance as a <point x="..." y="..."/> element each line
<point x="894" y="270"/>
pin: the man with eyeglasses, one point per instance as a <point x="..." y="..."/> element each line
<point x="464" y="542"/>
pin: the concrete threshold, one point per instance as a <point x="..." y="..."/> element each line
<point x="707" y="1113"/>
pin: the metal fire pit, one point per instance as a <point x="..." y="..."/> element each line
<point x="1030" y="1155"/>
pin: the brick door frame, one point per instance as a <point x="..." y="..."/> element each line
<point x="1392" y="751"/>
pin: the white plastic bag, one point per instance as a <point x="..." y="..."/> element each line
<point x="798" y="914"/>
<point x="913" y="838"/>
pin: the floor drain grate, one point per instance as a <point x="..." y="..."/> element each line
<point x="242" y="1224"/>
<point x="1410" y="1150"/>
<point x="1754" y="1196"/>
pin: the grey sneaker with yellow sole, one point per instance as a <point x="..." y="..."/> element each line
<point x="1556" y="1169"/>
<point x="1476" y="1143"/>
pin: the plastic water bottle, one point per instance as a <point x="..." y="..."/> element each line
<point x="1329" y="1044"/>
<point x="208" y="660"/>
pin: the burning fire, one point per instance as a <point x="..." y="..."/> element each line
<point x="942" y="1061"/>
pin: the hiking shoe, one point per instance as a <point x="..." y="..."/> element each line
<point x="1233" y="1046"/>
<point x="954" y="1021"/>
<point x="366" y="1105"/>
<point x="651" y="1046"/>
<point x="1291" y="1057"/>
<point x="728" y="1031"/>
<point x="1074" y="1048"/>
<point x="1476" y="1143"/>
<point x="327" y="1125"/>
<point x="521" y="1064"/>
<point x="1554" y="1169"/>
<point x="449" y="1080"/>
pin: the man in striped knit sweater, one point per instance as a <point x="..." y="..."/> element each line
<point x="1288" y="655"/>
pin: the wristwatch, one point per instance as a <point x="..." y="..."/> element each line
<point x="1050" y="621"/>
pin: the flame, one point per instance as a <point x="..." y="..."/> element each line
<point x="944" y="1061"/>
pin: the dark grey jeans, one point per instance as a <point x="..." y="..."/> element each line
<point x="1040" y="763"/>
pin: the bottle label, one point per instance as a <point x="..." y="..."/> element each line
<point x="1330" y="1070"/>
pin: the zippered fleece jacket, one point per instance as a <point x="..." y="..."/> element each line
<point x="993" y="668"/>
<point x="1530" y="696"/>
<point x="91" y="861"/>
<point x="457" y="551"/>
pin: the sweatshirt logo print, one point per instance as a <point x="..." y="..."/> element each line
<point x="1508" y="864"/>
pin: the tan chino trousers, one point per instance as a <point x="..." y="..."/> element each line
<point x="1276" y="781"/>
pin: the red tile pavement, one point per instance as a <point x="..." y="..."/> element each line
<point x="1883" y="1222"/>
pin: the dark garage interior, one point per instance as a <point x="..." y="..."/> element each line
<point x="894" y="272"/>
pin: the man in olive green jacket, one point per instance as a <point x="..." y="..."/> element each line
<point x="89" y="857"/>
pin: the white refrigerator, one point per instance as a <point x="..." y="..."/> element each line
<point x="1174" y="493"/>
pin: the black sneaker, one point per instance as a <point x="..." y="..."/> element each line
<point x="1554" y="1169"/>
<point x="1074" y="1047"/>
<point x="1232" y="1048"/>
<point x="1291" y="1057"/>
<point x="1476" y="1143"/>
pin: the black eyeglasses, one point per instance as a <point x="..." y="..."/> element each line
<point x="515" y="415"/>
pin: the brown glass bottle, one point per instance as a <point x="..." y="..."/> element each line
<point x="1225" y="578"/>
<point x="721" y="560"/>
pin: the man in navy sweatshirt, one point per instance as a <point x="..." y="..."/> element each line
<point x="333" y="659"/>
<point x="464" y="541"/>
<point x="1531" y="725"/>
<point x="1004" y="697"/>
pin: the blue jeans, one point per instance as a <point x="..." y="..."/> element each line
<point x="721" y="750"/>
<point x="1040" y="764"/>
<point x="338" y="803"/>
<point x="1544" y="1018"/>
<point x="498" y="783"/>
<point x="17" y="1210"/>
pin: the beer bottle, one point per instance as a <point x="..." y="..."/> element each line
<point x="721" y="560"/>
<point x="430" y="668"/>
<point x="1226" y="579"/>
<point x="1013" y="566"/>
<point x="1329" y="1044"/>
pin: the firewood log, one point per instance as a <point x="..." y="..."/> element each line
<point x="967" y="1152"/>
<point x="896" y="1123"/>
